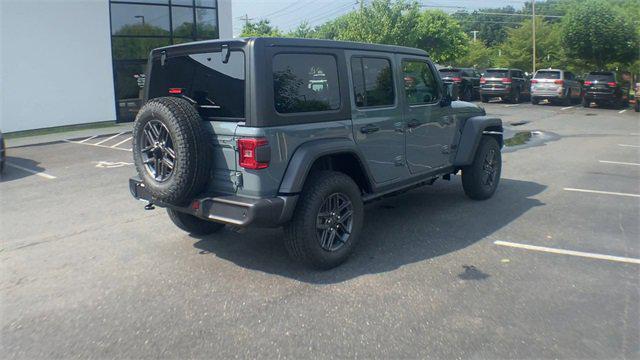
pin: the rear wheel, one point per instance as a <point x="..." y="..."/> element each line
<point x="327" y="222"/>
<point x="480" y="179"/>
<point x="535" y="101"/>
<point x="484" y="98"/>
<point x="193" y="225"/>
<point x="586" y="103"/>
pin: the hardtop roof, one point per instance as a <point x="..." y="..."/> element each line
<point x="297" y="42"/>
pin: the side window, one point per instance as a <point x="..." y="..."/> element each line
<point x="305" y="82"/>
<point x="420" y="84"/>
<point x="372" y="82"/>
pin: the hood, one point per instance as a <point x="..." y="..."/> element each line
<point x="463" y="107"/>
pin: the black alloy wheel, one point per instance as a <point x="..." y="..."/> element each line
<point x="158" y="154"/>
<point x="334" y="222"/>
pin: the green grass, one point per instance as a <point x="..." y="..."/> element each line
<point x="519" y="139"/>
<point x="58" y="129"/>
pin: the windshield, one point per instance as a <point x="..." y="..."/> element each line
<point x="496" y="73"/>
<point x="547" y="75"/>
<point x="600" y="76"/>
<point x="216" y="85"/>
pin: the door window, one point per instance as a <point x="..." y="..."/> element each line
<point x="372" y="82"/>
<point x="305" y="82"/>
<point x="420" y="85"/>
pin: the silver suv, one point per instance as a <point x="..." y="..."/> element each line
<point x="301" y="133"/>
<point x="556" y="86"/>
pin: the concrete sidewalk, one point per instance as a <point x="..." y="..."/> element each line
<point x="72" y="134"/>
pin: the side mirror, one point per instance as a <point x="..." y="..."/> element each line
<point x="447" y="97"/>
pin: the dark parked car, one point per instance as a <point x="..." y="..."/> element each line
<point x="606" y="88"/>
<point x="508" y="84"/>
<point x="555" y="85"/>
<point x="301" y="133"/>
<point x="466" y="82"/>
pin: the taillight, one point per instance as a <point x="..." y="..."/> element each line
<point x="175" y="90"/>
<point x="612" y="84"/>
<point x="588" y="83"/>
<point x="483" y="81"/>
<point x="559" y="82"/>
<point x="506" y="81"/>
<point x="254" y="153"/>
<point x="457" y="79"/>
<point x="534" y="81"/>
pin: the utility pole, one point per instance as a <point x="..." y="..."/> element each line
<point x="361" y="5"/>
<point x="533" y="32"/>
<point x="246" y="19"/>
<point x="475" y="33"/>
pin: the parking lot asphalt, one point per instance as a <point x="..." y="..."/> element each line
<point x="547" y="268"/>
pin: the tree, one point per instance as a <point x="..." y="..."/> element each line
<point x="594" y="31"/>
<point x="261" y="28"/>
<point x="478" y="56"/>
<point x="441" y="36"/>
<point x="492" y="27"/>
<point x="302" y="31"/>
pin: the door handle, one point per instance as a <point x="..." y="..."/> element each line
<point x="413" y="123"/>
<point x="368" y="129"/>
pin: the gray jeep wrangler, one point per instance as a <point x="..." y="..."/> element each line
<point x="301" y="133"/>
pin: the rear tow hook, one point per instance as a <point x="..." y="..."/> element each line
<point x="149" y="206"/>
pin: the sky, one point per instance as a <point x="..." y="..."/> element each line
<point x="287" y="14"/>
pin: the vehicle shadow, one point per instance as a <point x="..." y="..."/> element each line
<point x="11" y="173"/>
<point x="413" y="227"/>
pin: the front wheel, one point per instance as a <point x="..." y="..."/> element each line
<point x="193" y="225"/>
<point x="480" y="179"/>
<point x="586" y="103"/>
<point x="327" y="222"/>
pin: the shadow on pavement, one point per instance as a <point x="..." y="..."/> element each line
<point x="419" y="225"/>
<point x="11" y="173"/>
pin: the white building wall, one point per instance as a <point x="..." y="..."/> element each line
<point x="225" y="19"/>
<point x="56" y="63"/>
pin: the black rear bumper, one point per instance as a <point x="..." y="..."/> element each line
<point x="228" y="209"/>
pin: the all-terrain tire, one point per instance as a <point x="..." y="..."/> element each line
<point x="475" y="176"/>
<point x="191" y="144"/>
<point x="193" y="225"/>
<point x="302" y="239"/>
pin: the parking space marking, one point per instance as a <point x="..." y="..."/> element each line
<point x="618" y="163"/>
<point x="109" y="138"/>
<point x="601" y="192"/>
<point x="568" y="107"/>
<point x="87" y="139"/>
<point x="34" y="172"/>
<point x="627" y="145"/>
<point x="568" y="252"/>
<point x="102" y="146"/>
<point x="122" y="142"/>
<point x="621" y="111"/>
<point x="512" y="105"/>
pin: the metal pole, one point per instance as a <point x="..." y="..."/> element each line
<point x="475" y="33"/>
<point x="533" y="32"/>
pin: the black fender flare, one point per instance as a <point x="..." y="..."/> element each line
<point x="305" y="156"/>
<point x="471" y="134"/>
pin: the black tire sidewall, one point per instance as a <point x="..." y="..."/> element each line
<point x="302" y="229"/>
<point x="472" y="174"/>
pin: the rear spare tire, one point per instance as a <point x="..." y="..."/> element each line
<point x="171" y="150"/>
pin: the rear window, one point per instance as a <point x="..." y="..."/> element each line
<point x="601" y="76"/>
<point x="547" y="75"/>
<point x="450" y="73"/>
<point x="217" y="87"/>
<point x="496" y="73"/>
<point x="305" y="82"/>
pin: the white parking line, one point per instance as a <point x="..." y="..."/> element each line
<point x="512" y="105"/>
<point x="34" y="172"/>
<point x="601" y="192"/>
<point x="621" y="111"/>
<point x="109" y="138"/>
<point x="568" y="107"/>
<point x="87" y="139"/>
<point x="627" y="145"/>
<point x="122" y="142"/>
<point x="569" y="252"/>
<point x="618" y="163"/>
<point x="102" y="146"/>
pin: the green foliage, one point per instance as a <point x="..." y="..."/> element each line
<point x="302" y="31"/>
<point x="492" y="28"/>
<point x="441" y="36"/>
<point x="598" y="33"/>
<point x="478" y="56"/>
<point x="261" y="28"/>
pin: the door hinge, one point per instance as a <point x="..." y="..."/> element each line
<point x="236" y="179"/>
